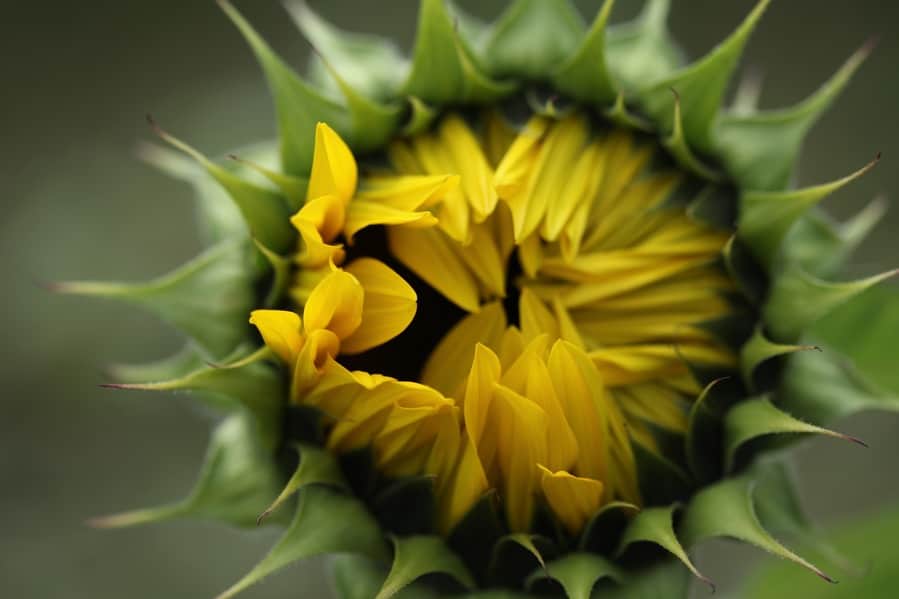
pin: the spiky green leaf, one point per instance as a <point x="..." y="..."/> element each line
<point x="780" y="510"/>
<point x="183" y="362"/>
<point x="759" y="349"/>
<point x="656" y="525"/>
<point x="758" y="417"/>
<point x="701" y="87"/>
<point x="767" y="216"/>
<point x="605" y="528"/>
<point x="281" y="271"/>
<point x="679" y="146"/>
<point x="218" y="216"/>
<point x="444" y="69"/>
<point x="745" y="270"/>
<point x="704" y="429"/>
<point x="208" y="298"/>
<point x="416" y="556"/>
<point x="264" y="210"/>
<point x="292" y="188"/>
<point x="643" y="52"/>
<point x="577" y="573"/>
<point x="326" y="521"/>
<point x="726" y="509"/>
<point x="238" y="479"/>
<point x="371" y="64"/>
<point x="357" y="577"/>
<point x="421" y="116"/>
<point x="254" y="387"/>
<point x="668" y="580"/>
<point x="825" y="387"/>
<point x="317" y="466"/>
<point x="798" y="299"/>
<point x="760" y="150"/>
<point x="821" y="246"/>
<point x="299" y="106"/>
<point x="869" y="540"/>
<point x="532" y="37"/>
<point x="620" y="114"/>
<point x="584" y="75"/>
<point x="864" y="329"/>
<point x="373" y="122"/>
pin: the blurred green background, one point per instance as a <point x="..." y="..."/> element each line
<point x="78" y="78"/>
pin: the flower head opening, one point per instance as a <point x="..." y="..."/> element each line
<point x="577" y="288"/>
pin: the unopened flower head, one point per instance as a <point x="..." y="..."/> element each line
<point x="526" y="300"/>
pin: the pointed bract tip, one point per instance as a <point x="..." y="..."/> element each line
<point x="868" y="47"/>
<point x="125" y="386"/>
<point x="99" y="522"/>
<point x="51" y="286"/>
<point x="263" y="516"/>
<point x="857" y="441"/>
<point x="824" y="576"/>
<point x="707" y="581"/>
<point x="154" y="126"/>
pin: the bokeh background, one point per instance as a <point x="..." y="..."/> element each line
<point x="77" y="80"/>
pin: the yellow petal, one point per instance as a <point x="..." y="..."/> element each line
<point x="629" y="364"/>
<point x="448" y="365"/>
<point x="484" y="259"/>
<point x="640" y="197"/>
<point x="581" y="395"/>
<point x="536" y="319"/>
<point x="403" y="158"/>
<point x="579" y="189"/>
<point x="282" y="332"/>
<point x="655" y="403"/>
<point x="326" y="213"/>
<point x="363" y="421"/>
<point x="574" y="500"/>
<point x="319" y="348"/>
<point x="362" y="214"/>
<point x="454" y="211"/>
<point x="484" y="373"/>
<point x="520" y="429"/>
<point x="408" y="192"/>
<point x="573" y="233"/>
<point x="530" y="254"/>
<point x="511" y="347"/>
<point x="430" y="255"/>
<point x="388" y="306"/>
<point x="334" y="170"/>
<point x="335" y="304"/>
<point x="445" y="447"/>
<point x="316" y="252"/>
<point x="568" y="330"/>
<point x="471" y="164"/>
<point x="551" y="173"/>
<point x="517" y="163"/>
<point x="623" y="163"/>
<point x="468" y="485"/>
<point x="305" y="281"/>
<point x="562" y="446"/>
<point x="498" y="137"/>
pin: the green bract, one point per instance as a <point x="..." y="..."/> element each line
<point x="782" y="255"/>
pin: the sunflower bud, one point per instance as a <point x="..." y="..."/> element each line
<point x="525" y="302"/>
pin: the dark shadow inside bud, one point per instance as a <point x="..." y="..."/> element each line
<point x="404" y="356"/>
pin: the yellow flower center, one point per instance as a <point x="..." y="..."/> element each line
<point x="569" y="291"/>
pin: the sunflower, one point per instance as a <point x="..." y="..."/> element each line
<point x="518" y="302"/>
